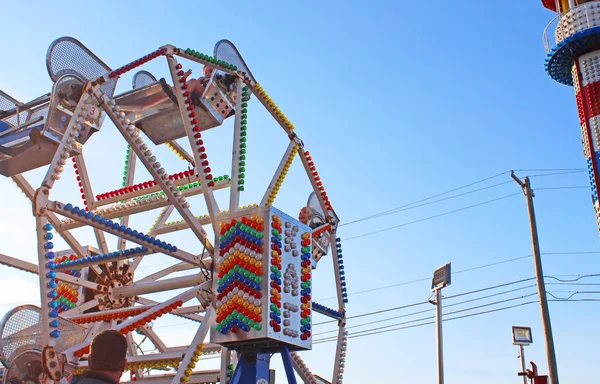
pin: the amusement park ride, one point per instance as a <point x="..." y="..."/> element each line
<point x="248" y="289"/>
<point x="572" y="43"/>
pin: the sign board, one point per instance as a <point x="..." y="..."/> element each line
<point x="521" y="335"/>
<point x="263" y="289"/>
<point x="441" y="277"/>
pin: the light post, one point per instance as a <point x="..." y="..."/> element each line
<point x="521" y="336"/>
<point x="441" y="279"/>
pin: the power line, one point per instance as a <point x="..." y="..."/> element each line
<point x="579" y="277"/>
<point x="412" y="206"/>
<point x="430" y="197"/>
<point x="563" y="281"/>
<point x="334" y="338"/>
<point x="433" y="217"/>
<point x="467" y="270"/>
<point x="488" y="288"/>
<point x="445" y="314"/>
<point x="558" y="173"/>
<point x="432" y="309"/>
<point x="351" y="336"/>
<point x="574" y="293"/>
<point x="561" y="171"/>
<point x="574" y="187"/>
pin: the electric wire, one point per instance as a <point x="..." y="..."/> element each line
<point x="352" y="335"/>
<point x="427" y="198"/>
<point x="563" y="282"/>
<point x="561" y="171"/>
<point x="466" y="270"/>
<point x="573" y="294"/>
<point x="432" y="217"/>
<point x="415" y="205"/>
<point x="432" y="309"/>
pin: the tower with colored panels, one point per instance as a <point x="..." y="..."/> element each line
<point x="572" y="43"/>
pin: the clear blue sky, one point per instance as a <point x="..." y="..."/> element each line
<point x="397" y="101"/>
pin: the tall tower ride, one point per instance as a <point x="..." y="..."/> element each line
<point x="572" y="43"/>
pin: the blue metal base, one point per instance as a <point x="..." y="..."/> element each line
<point x="560" y="59"/>
<point x="254" y="366"/>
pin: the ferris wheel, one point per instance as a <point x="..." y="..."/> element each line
<point x="247" y="284"/>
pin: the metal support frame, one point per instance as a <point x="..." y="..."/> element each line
<point x="117" y="200"/>
<point x="132" y="349"/>
<point x="161" y="219"/>
<point x="136" y="144"/>
<point x="158" y="343"/>
<point x="304" y="374"/>
<point x="129" y="177"/>
<point x="159" y="286"/>
<point x="167" y="271"/>
<point x="184" y="297"/>
<point x="211" y="203"/>
<point x="225" y="362"/>
<point x="254" y="365"/>
<point x="53" y="219"/>
<point x="182" y="152"/>
<point x="234" y="192"/>
<point x="198" y="339"/>
<point x="278" y="171"/>
<point x="67" y="142"/>
<point x="313" y="181"/>
<point x="338" y="352"/>
<point x="40" y="222"/>
<point x="179" y="254"/>
<point x="287" y="364"/>
<point x="265" y="104"/>
<point x="336" y="270"/>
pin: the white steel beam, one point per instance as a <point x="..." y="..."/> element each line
<point x="146" y="191"/>
<point x="138" y="288"/>
<point x="179" y="254"/>
<point x="172" y="269"/>
<point x="278" y="172"/>
<point x="234" y="191"/>
<point x="132" y="207"/>
<point x="211" y="203"/>
<point x="158" y="343"/>
<point x="77" y="248"/>
<point x="189" y="354"/>
<point x="184" y="297"/>
<point x="182" y="152"/>
<point x="18" y="263"/>
<point x="162" y="218"/>
<point x="129" y="177"/>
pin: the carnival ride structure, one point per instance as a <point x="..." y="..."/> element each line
<point x="572" y="44"/>
<point x="252" y="282"/>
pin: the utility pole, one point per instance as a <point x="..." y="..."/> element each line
<point x="539" y="274"/>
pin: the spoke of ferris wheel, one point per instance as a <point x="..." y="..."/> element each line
<point x="211" y="203"/>
<point x="162" y="218"/>
<point x="192" y="317"/>
<point x="182" y="266"/>
<point x="234" y="191"/>
<point x="77" y="248"/>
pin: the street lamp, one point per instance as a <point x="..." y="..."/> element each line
<point x="441" y="279"/>
<point x="521" y="336"/>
